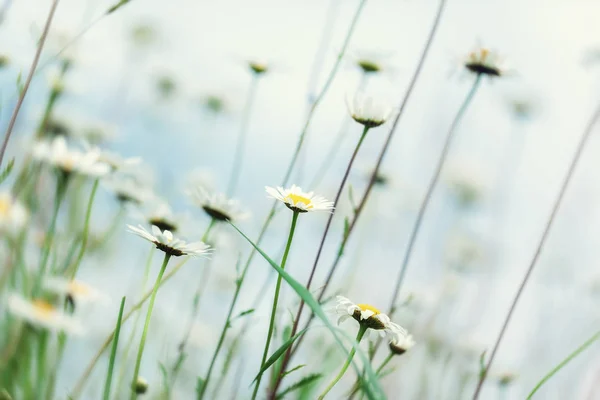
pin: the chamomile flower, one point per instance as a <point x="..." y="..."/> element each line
<point x="217" y="205"/>
<point x="368" y="111"/>
<point x="165" y="241"/>
<point x="57" y="154"/>
<point x="368" y="316"/>
<point x="76" y="290"/>
<point x="400" y="344"/>
<point x="129" y="190"/>
<point x="161" y="215"/>
<point x="258" y="67"/>
<point x="483" y="61"/>
<point x="117" y="161"/>
<point x="43" y="314"/>
<point x="12" y="214"/>
<point x="299" y="201"/>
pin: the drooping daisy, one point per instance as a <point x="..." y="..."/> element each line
<point x="483" y="61"/>
<point x="400" y="344"/>
<point x="165" y="241"/>
<point x="367" y="111"/>
<point x="217" y="205"/>
<point x="43" y="314"/>
<point x="299" y="201"/>
<point x="12" y="214"/>
<point x="75" y="290"/>
<point x="368" y="316"/>
<point x="57" y="154"/>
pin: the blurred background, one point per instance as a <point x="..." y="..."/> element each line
<point x="168" y="81"/>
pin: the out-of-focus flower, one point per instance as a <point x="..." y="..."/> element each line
<point x="76" y="290"/>
<point x="166" y="86"/>
<point x="214" y="103"/>
<point x="129" y="190"/>
<point x="217" y="205"/>
<point x="45" y="315"/>
<point x="369" y="316"/>
<point x="299" y="201"/>
<point x="165" y="242"/>
<point x="367" y="111"/>
<point x="258" y="67"/>
<point x="141" y="385"/>
<point x="483" y="61"/>
<point x="4" y="60"/>
<point x="162" y="216"/>
<point x="12" y="214"/>
<point x="117" y="161"/>
<point x="57" y="154"/>
<point x="400" y="344"/>
<point x="506" y="378"/>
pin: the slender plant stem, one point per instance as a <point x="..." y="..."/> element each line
<point x="138" y="361"/>
<point x="79" y="386"/>
<point x="113" y="352"/>
<point x="240" y="146"/>
<point x="382" y="154"/>
<point x="321" y="245"/>
<point x="86" y="232"/>
<point x="385" y="362"/>
<point x="564" y="362"/>
<point x="430" y="188"/>
<point x="275" y="300"/>
<point x="557" y="202"/>
<point x="41" y="363"/>
<point x="36" y="58"/>
<point x="361" y="331"/>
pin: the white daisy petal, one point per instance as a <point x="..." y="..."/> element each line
<point x="165" y="241"/>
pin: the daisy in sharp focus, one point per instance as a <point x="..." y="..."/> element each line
<point x="57" y="154"/>
<point x="43" y="314"/>
<point x="368" y="316"/>
<point x="299" y="201"/>
<point x="217" y="205"/>
<point x="368" y="111"/>
<point x="165" y="242"/>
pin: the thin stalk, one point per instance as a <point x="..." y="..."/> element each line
<point x="72" y="271"/>
<point x="384" y="363"/>
<point x="361" y="331"/>
<point x="36" y="58"/>
<point x="79" y="386"/>
<point x="240" y="146"/>
<point x="321" y="245"/>
<point x="113" y="352"/>
<point x="382" y="154"/>
<point x="41" y="363"/>
<point x="138" y="361"/>
<point x="557" y="202"/>
<point x="275" y="300"/>
<point x="564" y="362"/>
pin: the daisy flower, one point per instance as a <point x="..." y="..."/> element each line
<point x="57" y="154"/>
<point x="483" y="61"/>
<point x="217" y="205"/>
<point x="165" y="241"/>
<point x="400" y="344"/>
<point x="258" y="67"/>
<point x="129" y="190"/>
<point x="43" y="314"/>
<point x="299" y="201"/>
<point x="12" y="214"/>
<point x="367" y="111"/>
<point x="75" y="290"/>
<point x="163" y="217"/>
<point x="117" y="161"/>
<point x="369" y="316"/>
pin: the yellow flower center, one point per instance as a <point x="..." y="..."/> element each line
<point x="68" y="164"/>
<point x="367" y="307"/>
<point x="76" y="288"/>
<point x="295" y="198"/>
<point x="43" y="310"/>
<point x="4" y="207"/>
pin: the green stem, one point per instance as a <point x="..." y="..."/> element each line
<point x="275" y="300"/>
<point x="61" y="188"/>
<point x="86" y="232"/>
<point x="384" y="363"/>
<point x="564" y="362"/>
<point x="113" y="352"/>
<point x="240" y="146"/>
<point x="361" y="332"/>
<point x="138" y="361"/>
<point x="41" y="363"/>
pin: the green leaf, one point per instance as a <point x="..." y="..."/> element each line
<point x="6" y="171"/>
<point x="296" y="368"/>
<point x="115" y="7"/>
<point x="199" y="385"/>
<point x="372" y="388"/>
<point x="165" y="379"/>
<point x="278" y="353"/>
<point x="482" y="364"/>
<point x="243" y="314"/>
<point x="307" y="380"/>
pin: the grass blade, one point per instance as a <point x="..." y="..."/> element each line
<point x="307" y="380"/>
<point x="113" y="352"/>
<point x="278" y="353"/>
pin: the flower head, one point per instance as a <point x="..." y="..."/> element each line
<point x="165" y="241"/>
<point x="12" y="214"/>
<point x="299" y="201"/>
<point x="369" y="316"/>
<point x="400" y="344"/>
<point x="75" y="291"/>
<point x="217" y="205"/>
<point x="57" y="154"/>
<point x="367" y="111"/>
<point x="163" y="217"/>
<point x="483" y="61"/>
<point x="258" y="67"/>
<point x="43" y="314"/>
<point x="129" y="190"/>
